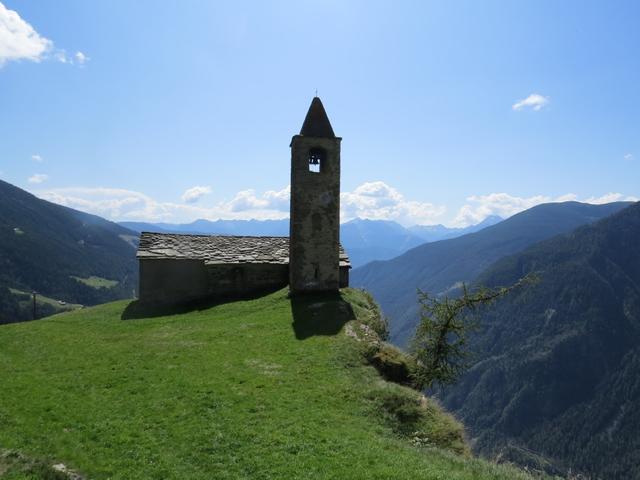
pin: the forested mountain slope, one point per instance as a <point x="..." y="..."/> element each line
<point x="558" y="363"/>
<point x="61" y="253"/>
<point x="439" y="267"/>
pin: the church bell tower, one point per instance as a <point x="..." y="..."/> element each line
<point x="314" y="238"/>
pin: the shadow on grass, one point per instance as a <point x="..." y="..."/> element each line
<point x="139" y="310"/>
<point x="319" y="314"/>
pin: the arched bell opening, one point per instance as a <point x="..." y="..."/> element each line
<point x="317" y="157"/>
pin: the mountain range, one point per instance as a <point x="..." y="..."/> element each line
<point x="556" y="379"/>
<point x="433" y="233"/>
<point x="65" y="255"/>
<point x="441" y="267"/>
<point x="262" y="228"/>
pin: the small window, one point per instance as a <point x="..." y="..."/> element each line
<point x="316" y="271"/>
<point x="316" y="158"/>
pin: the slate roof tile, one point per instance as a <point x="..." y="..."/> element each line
<point x="219" y="249"/>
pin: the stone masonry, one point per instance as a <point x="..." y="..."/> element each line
<point x="178" y="268"/>
<point x="315" y="205"/>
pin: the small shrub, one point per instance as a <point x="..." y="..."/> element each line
<point x="369" y="313"/>
<point x="418" y="419"/>
<point x="377" y="321"/>
<point x="396" y="366"/>
<point x="399" y="406"/>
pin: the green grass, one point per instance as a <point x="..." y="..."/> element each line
<point x="41" y="300"/>
<point x="15" y="466"/>
<point x="261" y="389"/>
<point x="96" y="282"/>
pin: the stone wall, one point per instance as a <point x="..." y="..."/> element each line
<point x="172" y="281"/>
<point x="344" y="277"/>
<point x="245" y="279"/>
<point x="180" y="281"/>
<point x="315" y="216"/>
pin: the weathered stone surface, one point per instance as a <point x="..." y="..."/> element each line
<point x="183" y="280"/>
<point x="219" y="249"/>
<point x="176" y="268"/>
<point x="315" y="206"/>
<point x="214" y="249"/>
<point x="181" y="268"/>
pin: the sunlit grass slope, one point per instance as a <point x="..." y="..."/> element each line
<point x="260" y="389"/>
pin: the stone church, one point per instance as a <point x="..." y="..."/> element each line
<point x="181" y="268"/>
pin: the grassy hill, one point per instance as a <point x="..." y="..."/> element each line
<point x="62" y="253"/>
<point x="262" y="389"/>
<point x="558" y="363"/>
<point x="440" y="267"/>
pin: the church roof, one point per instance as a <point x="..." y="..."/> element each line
<point x="219" y="249"/>
<point x="316" y="123"/>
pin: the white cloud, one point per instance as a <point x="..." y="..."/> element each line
<point x="505" y="205"/>
<point x="194" y="194"/>
<point x="611" y="197"/>
<point x="19" y="40"/>
<point x="37" y="178"/>
<point x="278" y="199"/>
<point x="501" y="204"/>
<point x="374" y="200"/>
<point x="112" y="203"/>
<point x="61" y="56"/>
<point x="379" y="201"/>
<point x="36" y="158"/>
<point x="121" y="204"/>
<point x="628" y="156"/>
<point x="567" y="197"/>
<point x="247" y="200"/>
<point x="78" y="58"/>
<point x="535" y="101"/>
<point x="81" y="58"/>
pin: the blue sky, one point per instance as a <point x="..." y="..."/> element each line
<point x="449" y="111"/>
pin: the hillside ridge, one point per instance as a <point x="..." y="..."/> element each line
<point x="557" y="365"/>
<point x="440" y="267"/>
<point x="263" y="388"/>
<point x="61" y="253"/>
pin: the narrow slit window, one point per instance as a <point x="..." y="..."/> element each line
<point x="316" y="271"/>
<point x="317" y="157"/>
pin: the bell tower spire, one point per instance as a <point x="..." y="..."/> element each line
<point x="316" y="123"/>
<point x="314" y="243"/>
